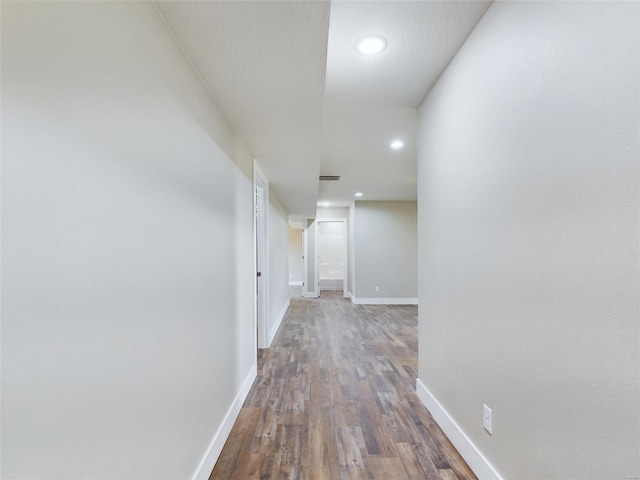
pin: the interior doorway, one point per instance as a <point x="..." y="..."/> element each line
<point x="331" y="265"/>
<point x="296" y="260"/>
<point x="261" y="257"/>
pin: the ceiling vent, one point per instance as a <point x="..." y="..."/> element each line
<point x="329" y="178"/>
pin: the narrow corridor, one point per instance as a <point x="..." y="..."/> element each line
<point x="335" y="399"/>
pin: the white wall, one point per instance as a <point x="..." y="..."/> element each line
<point x="278" y="264"/>
<point x="528" y="213"/>
<point x="385" y="245"/>
<point x="332" y="212"/>
<point x="295" y="256"/>
<point x="127" y="325"/>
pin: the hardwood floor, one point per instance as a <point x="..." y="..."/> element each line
<point x="335" y="400"/>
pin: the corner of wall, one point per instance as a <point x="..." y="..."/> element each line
<point x="467" y="449"/>
<point x="208" y="462"/>
<point x="277" y="323"/>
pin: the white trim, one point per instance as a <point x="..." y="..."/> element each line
<point x="254" y="206"/>
<point x="276" y="325"/>
<point x="295" y="284"/>
<point x="261" y="320"/>
<point x="316" y="261"/>
<point x="471" y="454"/>
<point x="311" y="295"/>
<point x="305" y="273"/>
<point x="384" y="301"/>
<point x="217" y="443"/>
<point x="350" y="296"/>
<point x="351" y="252"/>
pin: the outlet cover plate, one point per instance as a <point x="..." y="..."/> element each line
<point x="487" y="420"/>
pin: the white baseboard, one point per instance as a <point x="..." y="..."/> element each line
<point x="311" y="295"/>
<point x="384" y="301"/>
<point x="295" y="284"/>
<point x="471" y="454"/>
<point x="277" y="323"/>
<point x="215" y="447"/>
<point x="350" y="296"/>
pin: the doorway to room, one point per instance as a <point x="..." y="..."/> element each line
<point x="261" y="258"/>
<point x="331" y="266"/>
<point x="296" y="260"/>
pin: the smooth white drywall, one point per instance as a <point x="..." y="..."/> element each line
<point x="127" y="325"/>
<point x="332" y="212"/>
<point x="295" y="256"/>
<point x="278" y="261"/>
<point x="528" y="212"/>
<point x="385" y="245"/>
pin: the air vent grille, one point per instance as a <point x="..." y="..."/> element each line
<point x="329" y="178"/>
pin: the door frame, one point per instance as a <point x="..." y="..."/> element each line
<point x="305" y="290"/>
<point x="345" y="249"/>
<point x="260" y="255"/>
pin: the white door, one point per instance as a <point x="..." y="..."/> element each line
<point x="261" y="265"/>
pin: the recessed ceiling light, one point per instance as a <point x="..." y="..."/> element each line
<point x="358" y="194"/>
<point x="397" y="144"/>
<point x="371" y="44"/>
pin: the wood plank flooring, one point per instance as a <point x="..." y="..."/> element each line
<point x="335" y="400"/>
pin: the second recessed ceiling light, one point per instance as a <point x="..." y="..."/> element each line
<point x="397" y="144"/>
<point x="371" y="44"/>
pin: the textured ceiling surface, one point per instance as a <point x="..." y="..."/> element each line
<point x="356" y="147"/>
<point x="422" y="38"/>
<point x="287" y="77"/>
<point x="264" y="63"/>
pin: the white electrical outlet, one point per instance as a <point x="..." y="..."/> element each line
<point x="486" y="419"/>
<point x="377" y="288"/>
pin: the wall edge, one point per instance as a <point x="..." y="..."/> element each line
<point x="467" y="449"/>
<point x="276" y="325"/>
<point x="384" y="301"/>
<point x="217" y="443"/>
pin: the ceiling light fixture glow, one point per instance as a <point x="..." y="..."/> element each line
<point x="371" y="44"/>
<point x="358" y="194"/>
<point x="397" y="144"/>
<point x="324" y="204"/>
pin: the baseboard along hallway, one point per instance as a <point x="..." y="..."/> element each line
<point x="335" y="399"/>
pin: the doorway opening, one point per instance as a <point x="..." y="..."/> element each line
<point x="296" y="260"/>
<point x="331" y="267"/>
<point x="261" y="257"/>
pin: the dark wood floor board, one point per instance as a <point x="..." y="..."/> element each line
<point x="335" y="400"/>
<point x="410" y="461"/>
<point x="233" y="465"/>
<point x="253" y="469"/>
<point x="447" y="475"/>
<point x="387" y="469"/>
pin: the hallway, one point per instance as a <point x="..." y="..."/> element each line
<point x="335" y="399"/>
